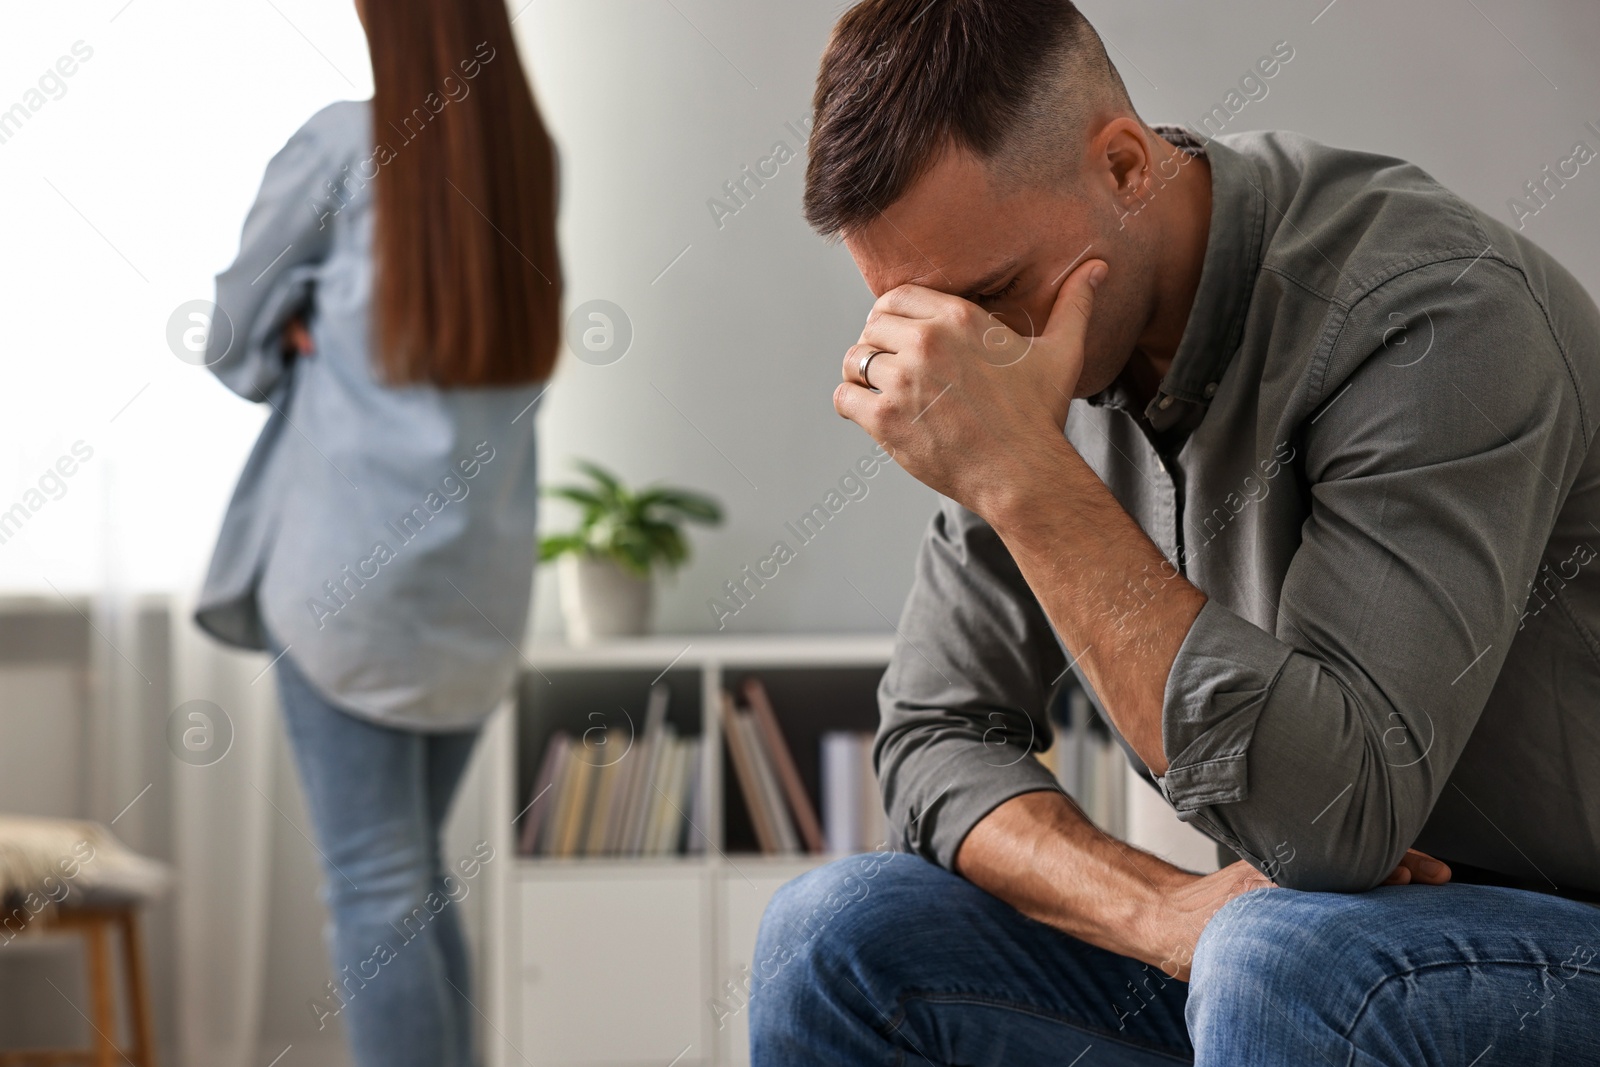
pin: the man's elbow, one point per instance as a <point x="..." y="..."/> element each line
<point x="1290" y="829"/>
<point x="1332" y="874"/>
<point x="1344" y="863"/>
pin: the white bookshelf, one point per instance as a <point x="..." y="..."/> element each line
<point x="616" y="962"/>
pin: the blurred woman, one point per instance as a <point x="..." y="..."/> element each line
<point x="396" y="303"/>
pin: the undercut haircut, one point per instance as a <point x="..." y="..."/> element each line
<point x="1015" y="82"/>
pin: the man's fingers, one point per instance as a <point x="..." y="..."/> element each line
<point x="1069" y="316"/>
<point x="880" y="369"/>
<point x="914" y="302"/>
<point x="1424" y="868"/>
<point x="851" y="402"/>
<point x="1420" y="868"/>
<point x="853" y="356"/>
<point x="892" y="333"/>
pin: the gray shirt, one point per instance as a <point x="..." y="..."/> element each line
<point x="384" y="534"/>
<point x="1372" y="453"/>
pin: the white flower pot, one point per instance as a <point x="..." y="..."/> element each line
<point x="600" y="599"/>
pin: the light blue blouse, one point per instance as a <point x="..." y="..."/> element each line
<point x="384" y="536"/>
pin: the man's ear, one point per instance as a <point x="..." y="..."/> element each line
<point x="1120" y="158"/>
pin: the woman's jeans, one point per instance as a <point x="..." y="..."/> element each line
<point x="378" y="798"/>
<point x="888" y="959"/>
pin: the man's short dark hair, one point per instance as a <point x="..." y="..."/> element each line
<point x="1013" y="81"/>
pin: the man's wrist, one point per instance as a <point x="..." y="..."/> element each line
<point x="1140" y="929"/>
<point x="1014" y="495"/>
<point x="1089" y="884"/>
<point x="1133" y="896"/>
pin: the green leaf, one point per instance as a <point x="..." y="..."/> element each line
<point x="559" y="545"/>
<point x="632" y="552"/>
<point x="692" y="506"/>
<point x="637" y="530"/>
<point x="611" y="489"/>
<point x="583" y="497"/>
<point x="665" y="540"/>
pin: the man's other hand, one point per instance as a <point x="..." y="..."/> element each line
<point x="1176" y="927"/>
<point x="1420" y="868"/>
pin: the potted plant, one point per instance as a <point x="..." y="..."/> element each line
<point x="605" y="565"/>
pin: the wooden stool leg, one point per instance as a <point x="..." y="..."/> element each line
<point x="144" y="1046"/>
<point x="101" y="994"/>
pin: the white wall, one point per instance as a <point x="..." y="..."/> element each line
<point x="1481" y="94"/>
<point x="727" y="386"/>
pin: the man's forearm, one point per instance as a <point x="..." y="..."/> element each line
<point x="1039" y="854"/>
<point x="1121" y="607"/>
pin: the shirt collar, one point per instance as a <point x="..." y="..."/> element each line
<point x="1227" y="278"/>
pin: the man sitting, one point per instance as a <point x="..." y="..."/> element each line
<point x="1284" y="450"/>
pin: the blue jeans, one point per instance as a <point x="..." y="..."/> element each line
<point x="378" y="798"/>
<point x="888" y="959"/>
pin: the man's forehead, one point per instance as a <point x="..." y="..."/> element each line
<point x="940" y="262"/>
<point x="949" y="231"/>
<point x="906" y="269"/>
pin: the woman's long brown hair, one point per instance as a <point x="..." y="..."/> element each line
<point x="468" y="278"/>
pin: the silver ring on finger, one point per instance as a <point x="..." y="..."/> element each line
<point x="861" y="369"/>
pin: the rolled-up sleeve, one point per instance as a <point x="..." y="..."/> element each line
<point x="286" y="235"/>
<point x="963" y="704"/>
<point x="1319" y="749"/>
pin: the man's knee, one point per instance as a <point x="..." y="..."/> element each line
<point x="1254" y="934"/>
<point x="839" y="912"/>
<point x="1271" y="948"/>
<point x="1265" y="928"/>
<point x="824" y="905"/>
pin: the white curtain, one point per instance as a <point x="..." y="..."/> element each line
<point x="222" y="827"/>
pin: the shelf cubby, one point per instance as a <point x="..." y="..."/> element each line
<point x="654" y="940"/>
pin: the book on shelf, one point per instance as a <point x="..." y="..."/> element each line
<point x="767" y="784"/>
<point x="841" y="791"/>
<point x="852" y="811"/>
<point x="695" y="839"/>
<point x="593" y="800"/>
<point x="561" y="801"/>
<point x="652" y="771"/>
<point x="535" y="816"/>
<point x="604" y="800"/>
<point x="744" y="770"/>
<point x="577" y="801"/>
<point x="596" y="794"/>
<point x="782" y="812"/>
<point x="641" y="757"/>
<point x="667" y="823"/>
<point x="782" y="759"/>
<point x="656" y="802"/>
